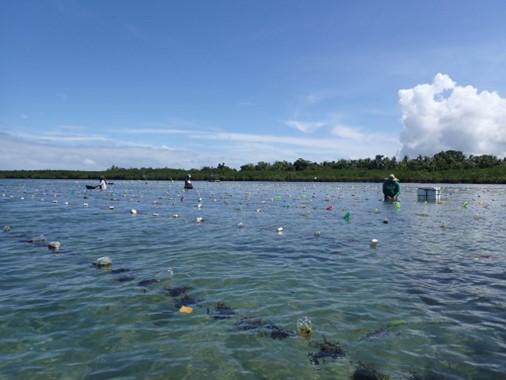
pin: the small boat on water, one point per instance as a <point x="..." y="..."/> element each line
<point x="90" y="187"/>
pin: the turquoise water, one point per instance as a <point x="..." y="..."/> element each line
<point x="429" y="300"/>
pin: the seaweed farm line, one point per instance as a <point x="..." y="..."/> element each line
<point x="251" y="280"/>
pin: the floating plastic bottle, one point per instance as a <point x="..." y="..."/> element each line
<point x="304" y="326"/>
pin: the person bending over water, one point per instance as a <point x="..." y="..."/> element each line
<point x="391" y="188"/>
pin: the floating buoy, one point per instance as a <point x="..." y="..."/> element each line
<point x="133" y="211"/>
<point x="347" y="216"/>
<point x="317" y="234"/>
<point x="385" y="221"/>
<point x="54" y="245"/>
<point x="374" y="243"/>
<point x="240" y="225"/>
<point x="103" y="261"/>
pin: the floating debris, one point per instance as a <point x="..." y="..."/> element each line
<point x="305" y="326"/>
<point x="186" y="309"/>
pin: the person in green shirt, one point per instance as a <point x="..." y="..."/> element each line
<point x="391" y="188"/>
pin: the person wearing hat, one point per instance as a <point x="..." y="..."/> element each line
<point x="391" y="188"/>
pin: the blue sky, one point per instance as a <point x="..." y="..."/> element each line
<point x="184" y="84"/>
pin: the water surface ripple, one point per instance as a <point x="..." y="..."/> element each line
<point x="429" y="300"/>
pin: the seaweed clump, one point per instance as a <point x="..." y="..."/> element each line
<point x="220" y="311"/>
<point x="177" y="291"/>
<point x="328" y="350"/>
<point x="263" y="328"/>
<point x="364" y="372"/>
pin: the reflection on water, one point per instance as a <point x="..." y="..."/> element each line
<point x="250" y="260"/>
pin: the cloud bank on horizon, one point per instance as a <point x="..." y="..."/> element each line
<point x="445" y="116"/>
<point x="435" y="117"/>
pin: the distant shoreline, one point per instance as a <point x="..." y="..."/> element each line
<point x="495" y="175"/>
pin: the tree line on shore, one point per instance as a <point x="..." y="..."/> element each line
<point x="445" y="167"/>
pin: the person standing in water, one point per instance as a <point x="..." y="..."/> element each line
<point x="188" y="182"/>
<point x="391" y="188"/>
<point x="103" y="184"/>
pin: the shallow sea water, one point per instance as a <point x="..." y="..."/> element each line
<point x="429" y="300"/>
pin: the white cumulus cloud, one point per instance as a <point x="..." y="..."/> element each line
<point x="445" y="116"/>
